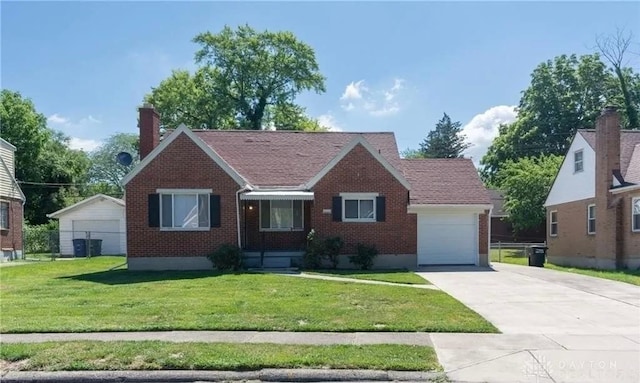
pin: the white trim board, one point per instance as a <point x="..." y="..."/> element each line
<point x="87" y="201"/>
<point x="348" y="148"/>
<point x="182" y="129"/>
<point x="13" y="178"/>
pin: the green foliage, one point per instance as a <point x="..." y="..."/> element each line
<point x="565" y="94"/>
<point x="226" y="257"/>
<point x="42" y="238"/>
<point x="321" y="249"/>
<point x="445" y="141"/>
<point x="43" y="158"/>
<point x="365" y="255"/>
<point x="526" y="183"/>
<point x="246" y="80"/>
<point x="105" y="173"/>
<point x="411" y="153"/>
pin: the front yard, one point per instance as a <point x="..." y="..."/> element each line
<point x="98" y="294"/>
<point x="516" y="257"/>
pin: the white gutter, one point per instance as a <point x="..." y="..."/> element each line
<point x="244" y="188"/>
<point x="624" y="189"/>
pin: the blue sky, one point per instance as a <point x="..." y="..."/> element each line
<point x="389" y="66"/>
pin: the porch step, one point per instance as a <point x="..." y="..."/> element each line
<point x="273" y="259"/>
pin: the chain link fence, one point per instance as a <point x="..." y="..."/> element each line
<point x="40" y="243"/>
<point x="512" y="252"/>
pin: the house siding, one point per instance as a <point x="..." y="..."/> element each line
<point x="359" y="172"/>
<point x="11" y="240"/>
<point x="181" y="165"/>
<point x="572" y="245"/>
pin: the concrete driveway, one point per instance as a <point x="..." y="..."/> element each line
<point x="556" y="326"/>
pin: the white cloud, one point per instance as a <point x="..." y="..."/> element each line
<point x="57" y="119"/>
<point x="82" y="144"/>
<point x="376" y="102"/>
<point x="483" y="128"/>
<point x="354" y="90"/>
<point x="328" y="121"/>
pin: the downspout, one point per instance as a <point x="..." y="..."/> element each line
<point x="242" y="189"/>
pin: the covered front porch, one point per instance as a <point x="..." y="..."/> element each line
<point x="274" y="227"/>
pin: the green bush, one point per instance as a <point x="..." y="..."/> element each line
<point x="226" y="257"/>
<point x="332" y="247"/>
<point x="41" y="238"/>
<point x="364" y="257"/>
<point x="312" y="258"/>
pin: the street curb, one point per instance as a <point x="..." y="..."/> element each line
<point x="265" y="375"/>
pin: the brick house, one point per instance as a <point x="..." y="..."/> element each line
<point x="265" y="190"/>
<point x="11" y="204"/>
<point x="593" y="207"/>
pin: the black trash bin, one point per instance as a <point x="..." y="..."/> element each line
<point x="96" y="247"/>
<point x="537" y="256"/>
<point x="79" y="247"/>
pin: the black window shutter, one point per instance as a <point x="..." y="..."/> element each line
<point x="214" y="210"/>
<point x="336" y="209"/>
<point x="153" y="201"/>
<point x="380" y="209"/>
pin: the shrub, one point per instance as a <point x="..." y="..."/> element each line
<point x="41" y="238"/>
<point x="364" y="257"/>
<point x="312" y="258"/>
<point x="226" y="257"/>
<point x="332" y="247"/>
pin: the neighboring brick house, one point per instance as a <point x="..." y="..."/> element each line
<point x="11" y="204"/>
<point x="265" y="190"/>
<point x="593" y="207"/>
<point x="502" y="229"/>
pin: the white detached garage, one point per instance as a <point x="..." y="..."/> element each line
<point x="100" y="217"/>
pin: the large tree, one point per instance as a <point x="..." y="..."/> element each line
<point x="526" y="183"/>
<point x="106" y="173"/>
<point x="242" y="75"/>
<point x="445" y="141"/>
<point x="45" y="166"/>
<point x="565" y="94"/>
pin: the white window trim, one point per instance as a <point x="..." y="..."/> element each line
<point x="173" y="192"/>
<point x="359" y="196"/>
<point x="633" y="201"/>
<point x="8" y="214"/>
<point x="575" y="162"/>
<point x="284" y="229"/>
<point x="552" y="222"/>
<point x="589" y="218"/>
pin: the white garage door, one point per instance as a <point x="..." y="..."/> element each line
<point x="106" y="230"/>
<point x="447" y="239"/>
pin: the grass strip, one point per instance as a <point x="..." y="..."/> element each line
<point x="157" y="355"/>
<point x="393" y="276"/>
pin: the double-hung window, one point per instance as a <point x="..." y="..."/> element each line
<point x="578" y="163"/>
<point x="4" y="215"/>
<point x="591" y="219"/>
<point x="281" y="215"/>
<point x="553" y="223"/>
<point x="635" y="214"/>
<point x="359" y="207"/>
<point x="184" y="210"/>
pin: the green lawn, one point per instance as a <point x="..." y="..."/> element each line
<point x="514" y="257"/>
<point x="89" y="295"/>
<point x="393" y="276"/>
<point x="156" y="355"/>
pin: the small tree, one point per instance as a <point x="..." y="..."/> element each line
<point x="365" y="255"/>
<point x="445" y="141"/>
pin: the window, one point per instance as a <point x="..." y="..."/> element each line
<point x="635" y="214"/>
<point x="578" y="163"/>
<point x="184" y="211"/>
<point x="553" y="223"/>
<point x="359" y="207"/>
<point x="591" y="219"/>
<point x="281" y="215"/>
<point x="4" y="215"/>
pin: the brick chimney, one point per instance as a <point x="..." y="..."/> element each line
<point x="607" y="160"/>
<point x="149" y="125"/>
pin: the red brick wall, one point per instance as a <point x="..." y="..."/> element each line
<point x="483" y="233"/>
<point x="12" y="238"/>
<point x="360" y="172"/>
<point x="182" y="165"/>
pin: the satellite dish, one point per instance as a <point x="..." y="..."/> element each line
<point x="124" y="158"/>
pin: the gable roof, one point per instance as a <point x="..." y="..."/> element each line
<point x="7" y="144"/>
<point x="14" y="182"/>
<point x="86" y="202"/>
<point x="294" y="158"/>
<point x="629" y="140"/>
<point x="444" y="181"/>
<point x="167" y="140"/>
<point x="497" y="200"/>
